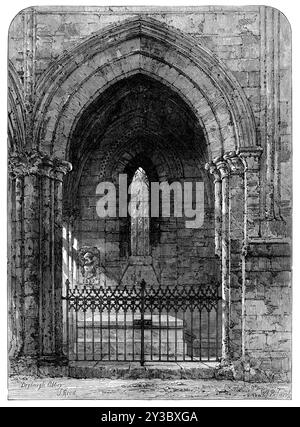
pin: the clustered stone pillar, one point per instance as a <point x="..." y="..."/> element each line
<point x="221" y="168"/>
<point x="51" y="261"/>
<point x="36" y="182"/>
<point x="237" y="197"/>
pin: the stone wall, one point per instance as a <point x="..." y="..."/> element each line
<point x="254" y="45"/>
<point x="253" y="42"/>
<point x="161" y="138"/>
<point x="268" y="302"/>
<point x="180" y="255"/>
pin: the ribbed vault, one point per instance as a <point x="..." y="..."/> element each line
<point x="135" y="118"/>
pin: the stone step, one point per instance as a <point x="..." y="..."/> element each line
<point x="133" y="370"/>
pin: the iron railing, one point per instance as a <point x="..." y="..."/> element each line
<point x="143" y="323"/>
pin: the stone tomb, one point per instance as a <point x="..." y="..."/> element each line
<point x="118" y="337"/>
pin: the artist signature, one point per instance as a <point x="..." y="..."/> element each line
<point x="34" y="384"/>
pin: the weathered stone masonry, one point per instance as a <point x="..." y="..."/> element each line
<point x="202" y="93"/>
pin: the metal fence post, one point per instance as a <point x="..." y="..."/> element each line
<point x="143" y="286"/>
<point x="67" y="315"/>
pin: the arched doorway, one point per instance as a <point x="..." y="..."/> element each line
<point x="141" y="131"/>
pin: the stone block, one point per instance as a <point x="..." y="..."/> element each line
<point x="163" y="371"/>
<point x="255" y="307"/>
<point x="279" y="341"/>
<point x="255" y="340"/>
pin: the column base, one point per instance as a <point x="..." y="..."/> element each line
<point x="47" y="365"/>
<point x="249" y="370"/>
<point x="23" y="365"/>
<point x="52" y="359"/>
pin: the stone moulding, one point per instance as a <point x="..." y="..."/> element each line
<point x="82" y="61"/>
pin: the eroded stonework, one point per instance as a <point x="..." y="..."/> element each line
<point x="197" y="93"/>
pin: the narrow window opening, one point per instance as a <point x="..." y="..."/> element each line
<point x="139" y="211"/>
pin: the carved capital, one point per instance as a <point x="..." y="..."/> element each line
<point x="36" y="163"/>
<point x="213" y="170"/>
<point x="222" y="167"/>
<point x="60" y="168"/>
<point x="251" y="157"/>
<point x="235" y="163"/>
<point x="54" y="168"/>
<point x="24" y="163"/>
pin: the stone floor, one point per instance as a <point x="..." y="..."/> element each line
<point x="122" y="380"/>
<point x="32" y="388"/>
<point x="133" y="370"/>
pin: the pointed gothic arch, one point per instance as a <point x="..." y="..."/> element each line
<point x="142" y="46"/>
<point x="16" y="111"/>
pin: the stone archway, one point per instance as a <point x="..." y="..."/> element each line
<point x="142" y="46"/>
<point x="76" y="80"/>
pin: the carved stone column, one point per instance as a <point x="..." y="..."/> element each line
<point x="237" y="180"/>
<point x="230" y="229"/>
<point x="237" y="235"/>
<point x="211" y="167"/>
<point x="24" y="177"/>
<point x="15" y="254"/>
<point x="36" y="183"/>
<point x="220" y="171"/>
<point x="225" y="259"/>
<point x="51" y="342"/>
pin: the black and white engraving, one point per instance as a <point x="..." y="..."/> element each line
<point x="149" y="202"/>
